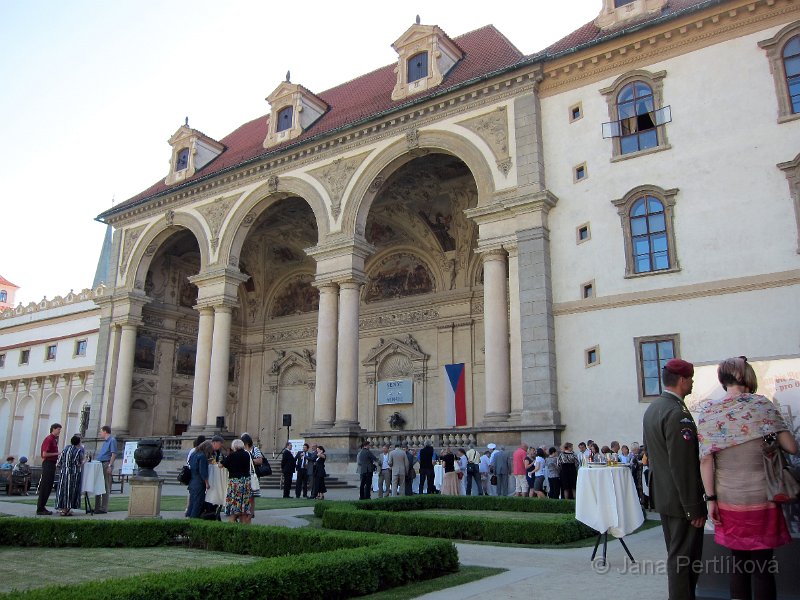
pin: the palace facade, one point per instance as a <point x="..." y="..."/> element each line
<point x="561" y="224"/>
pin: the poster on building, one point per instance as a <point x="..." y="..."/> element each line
<point x="396" y="391"/>
<point x="778" y="380"/>
<point x="128" y="462"/>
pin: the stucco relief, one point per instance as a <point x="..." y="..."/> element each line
<point x="398" y="318"/>
<point x="214" y="213"/>
<point x="128" y="242"/>
<point x="302" y="333"/>
<point x="492" y="128"/>
<point x="335" y="177"/>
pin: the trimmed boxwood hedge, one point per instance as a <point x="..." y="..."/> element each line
<point x="334" y="564"/>
<point x="387" y="516"/>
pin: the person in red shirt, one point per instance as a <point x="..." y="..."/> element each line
<point x="519" y="470"/>
<point x="49" y="459"/>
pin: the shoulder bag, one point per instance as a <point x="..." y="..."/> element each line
<point x="781" y="483"/>
<point x="264" y="469"/>
<point x="254" y="484"/>
<point x="185" y="476"/>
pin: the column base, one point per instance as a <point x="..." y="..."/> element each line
<point x="352" y="427"/>
<point x="322" y="426"/>
<point x="494" y="418"/>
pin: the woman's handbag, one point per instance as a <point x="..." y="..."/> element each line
<point x="781" y="483"/>
<point x="254" y="484"/>
<point x="493" y="480"/>
<point x="264" y="469"/>
<point x="185" y="476"/>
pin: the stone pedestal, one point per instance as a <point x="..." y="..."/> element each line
<point x="145" y="500"/>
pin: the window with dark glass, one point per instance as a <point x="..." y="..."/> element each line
<point x="649" y="235"/>
<point x="182" y="162"/>
<point x="791" y="64"/>
<point x="24" y="357"/>
<point x="50" y="352"/>
<point x="2" y="360"/>
<point x="3" y="296"/>
<point x="80" y="348"/>
<point x="418" y="66"/>
<point x="653" y="355"/>
<point x="285" y="119"/>
<point x="637" y="119"/>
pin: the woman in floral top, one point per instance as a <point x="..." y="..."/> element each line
<point x="730" y="432"/>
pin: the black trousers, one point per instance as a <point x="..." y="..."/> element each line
<point x="46" y="483"/>
<point x="287" y="484"/>
<point x="684" y="546"/>
<point x="302" y="483"/>
<point x="365" y="487"/>
<point x="474" y="474"/>
<point x="426" y="475"/>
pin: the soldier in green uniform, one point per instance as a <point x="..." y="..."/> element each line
<point x="676" y="489"/>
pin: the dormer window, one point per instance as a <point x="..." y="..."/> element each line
<point x="191" y="151"/>
<point x="418" y="66"/>
<point x="425" y="56"/>
<point x="284" y="119"/>
<point x="182" y="162"/>
<point x="617" y="12"/>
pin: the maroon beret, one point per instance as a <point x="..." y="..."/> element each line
<point x="680" y="367"/>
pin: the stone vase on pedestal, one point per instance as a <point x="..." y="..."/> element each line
<point x="145" y="499"/>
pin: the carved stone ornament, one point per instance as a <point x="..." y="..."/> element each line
<point x="305" y="333"/>
<point x="492" y="128"/>
<point x="233" y="261"/>
<point x="376" y="185"/>
<point x="170" y="217"/>
<point x="399" y="318"/>
<point x="412" y="138"/>
<point x="214" y="213"/>
<point x="249" y="219"/>
<point x="151" y="249"/>
<point x="272" y="184"/>
<point x="128" y="242"/>
<point x="214" y="243"/>
<point x="335" y="177"/>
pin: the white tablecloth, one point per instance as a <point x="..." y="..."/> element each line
<point x="93" y="482"/>
<point x="438" y="476"/>
<point x="606" y="500"/>
<point x="218" y="485"/>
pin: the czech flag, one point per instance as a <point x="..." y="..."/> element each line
<point x="455" y="397"/>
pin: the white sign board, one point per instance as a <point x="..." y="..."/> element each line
<point x="297" y="445"/>
<point x="398" y="391"/>
<point x="128" y="463"/>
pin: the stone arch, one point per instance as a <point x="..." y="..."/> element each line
<point x="50" y="413"/>
<point x="257" y="201"/>
<point x="23" y="431"/>
<point x="5" y="421"/>
<point x="157" y="234"/>
<point x="366" y="188"/>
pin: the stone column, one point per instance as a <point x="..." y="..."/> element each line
<point x="495" y="321"/>
<point x="121" y="411"/>
<point x="514" y="331"/>
<point x="220" y="358"/>
<point x="202" y="368"/>
<point x="327" y="340"/>
<point x="347" y="359"/>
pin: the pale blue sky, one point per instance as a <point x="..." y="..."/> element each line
<point x="92" y="90"/>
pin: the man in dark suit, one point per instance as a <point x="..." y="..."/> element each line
<point x="499" y="462"/>
<point x="287" y="468"/>
<point x="365" y="466"/>
<point x="301" y="465"/>
<point x="412" y="460"/>
<point x="426" y="458"/>
<point x="676" y="489"/>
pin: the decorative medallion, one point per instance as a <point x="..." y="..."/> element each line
<point x="272" y="184"/>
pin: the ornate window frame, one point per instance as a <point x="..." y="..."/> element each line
<point x="792" y="171"/>
<point x="774" y="50"/>
<point x="624" y="205"/>
<point x="675" y="338"/>
<point x="656" y="83"/>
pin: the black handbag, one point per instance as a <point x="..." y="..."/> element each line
<point x="263" y="470"/>
<point x="185" y="476"/>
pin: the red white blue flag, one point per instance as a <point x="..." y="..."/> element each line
<point x="455" y="396"/>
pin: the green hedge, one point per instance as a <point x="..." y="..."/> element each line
<point x="387" y="516"/>
<point x="334" y="564"/>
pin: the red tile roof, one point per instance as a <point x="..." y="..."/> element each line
<point x="5" y="282"/>
<point x="486" y="51"/>
<point x="592" y="34"/>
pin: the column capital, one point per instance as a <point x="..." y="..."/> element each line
<point x="326" y="287"/>
<point x="218" y="286"/>
<point x="493" y="254"/>
<point x="127" y="321"/>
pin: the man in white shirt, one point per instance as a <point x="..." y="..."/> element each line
<point x="484" y="470"/>
<point x="385" y="476"/>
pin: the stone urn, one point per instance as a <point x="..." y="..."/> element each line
<point x="148" y="456"/>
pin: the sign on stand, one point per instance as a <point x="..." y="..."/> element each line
<point x="128" y="462"/>
<point x="297" y="445"/>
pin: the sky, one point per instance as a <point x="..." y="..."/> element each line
<point x="92" y="90"/>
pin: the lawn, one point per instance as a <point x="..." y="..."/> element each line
<point x="77" y="565"/>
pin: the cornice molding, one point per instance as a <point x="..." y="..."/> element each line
<point x="684" y="292"/>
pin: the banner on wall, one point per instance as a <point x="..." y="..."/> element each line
<point x="455" y="395"/>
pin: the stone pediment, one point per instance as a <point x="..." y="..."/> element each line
<point x="406" y="346"/>
<point x="289" y="359"/>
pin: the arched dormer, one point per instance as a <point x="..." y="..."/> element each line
<point x="425" y="56"/>
<point x="293" y="109"/>
<point x="618" y="12"/>
<point x="191" y="151"/>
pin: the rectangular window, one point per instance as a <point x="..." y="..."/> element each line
<point x="579" y="173"/>
<point x="575" y="112"/>
<point x="592" y="356"/>
<point x="583" y="233"/>
<point x="2" y="360"/>
<point x="80" y="348"/>
<point x="587" y="290"/>
<point x="24" y="357"/>
<point x="652" y="354"/>
<point x="50" y="352"/>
